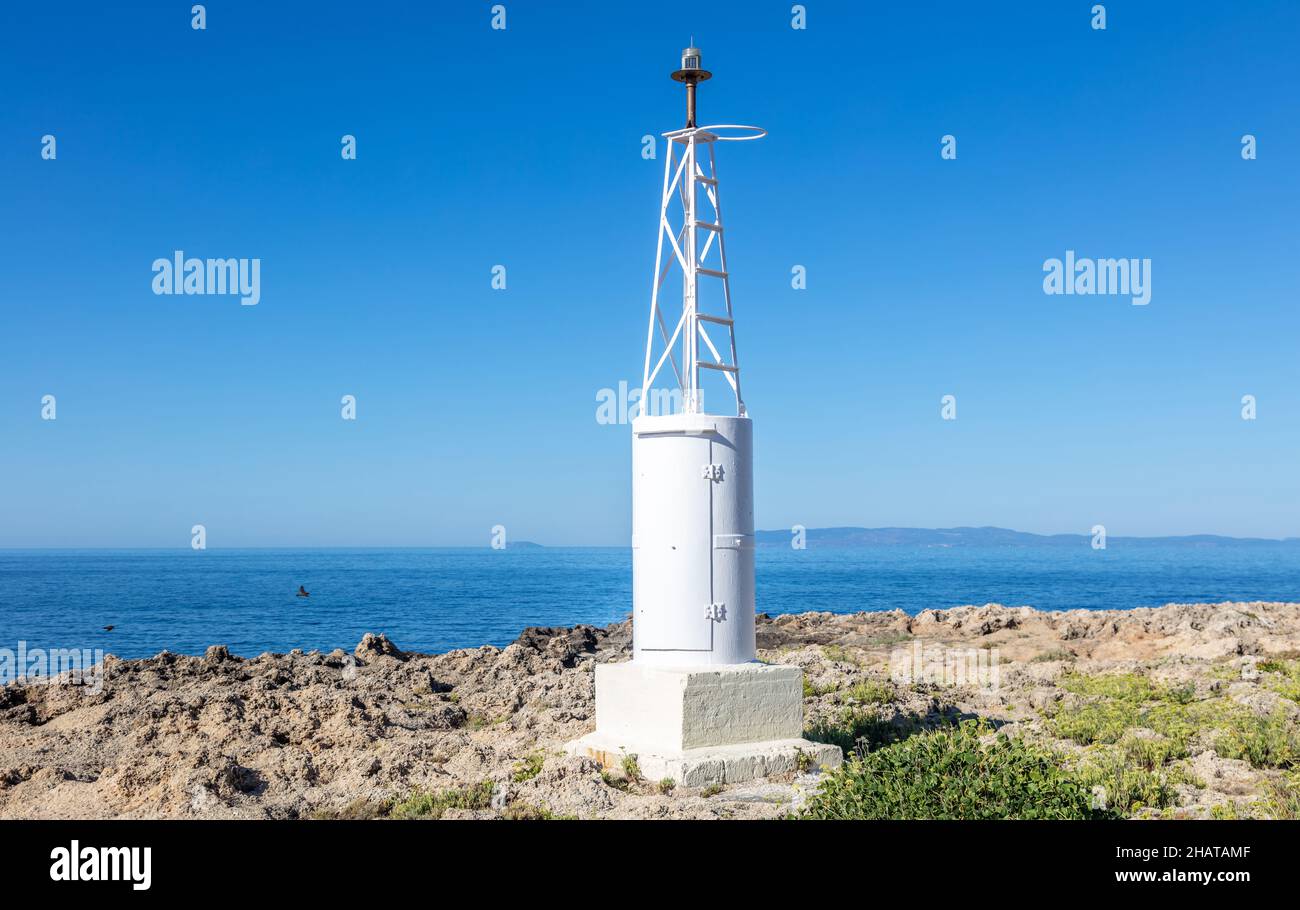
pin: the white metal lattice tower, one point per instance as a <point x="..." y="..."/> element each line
<point x="694" y="703"/>
<point x="690" y="211"/>
<point x="692" y="470"/>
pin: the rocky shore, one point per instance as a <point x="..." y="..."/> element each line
<point x="1188" y="710"/>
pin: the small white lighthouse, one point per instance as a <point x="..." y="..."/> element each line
<point x="693" y="704"/>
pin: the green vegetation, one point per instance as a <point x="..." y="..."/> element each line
<point x="1282" y="797"/>
<point x="1058" y="654"/>
<point x="871" y="692"/>
<point x="1126" y="786"/>
<point x="529" y="813"/>
<point x="1270" y="741"/>
<point x="528" y="768"/>
<point x="1282" y="676"/>
<point x="478" y="721"/>
<point x="1108" y="708"/>
<point x="811" y="691"/>
<point x="890" y="638"/>
<point x="839" y="654"/>
<point x="953" y="773"/>
<point x="432" y="805"/>
<point x="857" y="730"/>
<point x="666" y="786"/>
<point x="618" y="783"/>
<point x="631" y="770"/>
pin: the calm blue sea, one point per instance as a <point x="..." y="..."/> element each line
<point x="438" y="599"/>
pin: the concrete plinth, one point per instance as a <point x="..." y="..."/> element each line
<point x="703" y="725"/>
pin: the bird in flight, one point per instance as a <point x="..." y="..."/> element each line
<point x="302" y="592"/>
<point x="109" y="628"/>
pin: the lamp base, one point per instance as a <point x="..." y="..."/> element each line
<point x="703" y="725"/>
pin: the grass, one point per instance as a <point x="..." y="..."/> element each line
<point x="1282" y="797"/>
<point x="890" y="638"/>
<point x="1282" y="677"/>
<point x="960" y="772"/>
<point x="812" y="691"/>
<point x="857" y="730"/>
<point x="1137" y="731"/>
<point x="1266" y="741"/>
<point x="871" y="692"/>
<point x="1058" y="654"/>
<point x="527" y="812"/>
<point x="618" y="783"/>
<point x="1106" y="708"/>
<point x="838" y="654"/>
<point x="478" y="721"/>
<point x="528" y="767"/>
<point x="1126" y="786"/>
<point x="433" y="804"/>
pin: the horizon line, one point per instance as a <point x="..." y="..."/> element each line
<point x="529" y="544"/>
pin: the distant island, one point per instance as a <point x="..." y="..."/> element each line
<point x="993" y="537"/>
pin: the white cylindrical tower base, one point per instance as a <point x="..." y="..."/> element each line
<point x="692" y="540"/>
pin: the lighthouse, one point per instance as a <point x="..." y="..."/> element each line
<point x="694" y="704"/>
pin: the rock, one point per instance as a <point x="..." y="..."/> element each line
<point x="1224" y="775"/>
<point x="291" y="735"/>
<point x="372" y="645"/>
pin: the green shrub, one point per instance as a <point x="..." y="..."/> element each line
<point x="1151" y="752"/>
<point x="1282" y="797"/>
<point x="528" y="768"/>
<point x="427" y="804"/>
<point x="840" y="654"/>
<point x="1282" y="676"/>
<point x="1094" y="722"/>
<point x="1128" y="687"/>
<point x="951" y="774"/>
<point x="855" y="730"/>
<point x="1266" y="741"/>
<point x="1106" y="707"/>
<point x="1128" y="787"/>
<point x="812" y="691"/>
<point x="870" y="692"/>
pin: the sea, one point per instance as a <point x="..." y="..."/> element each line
<point x="435" y="600"/>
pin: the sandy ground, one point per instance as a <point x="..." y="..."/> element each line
<point x="328" y="735"/>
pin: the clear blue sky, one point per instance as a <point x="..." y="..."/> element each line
<point x="522" y="147"/>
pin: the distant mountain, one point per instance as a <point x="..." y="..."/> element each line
<point x="994" y="537"/>
<point x="522" y="545"/>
